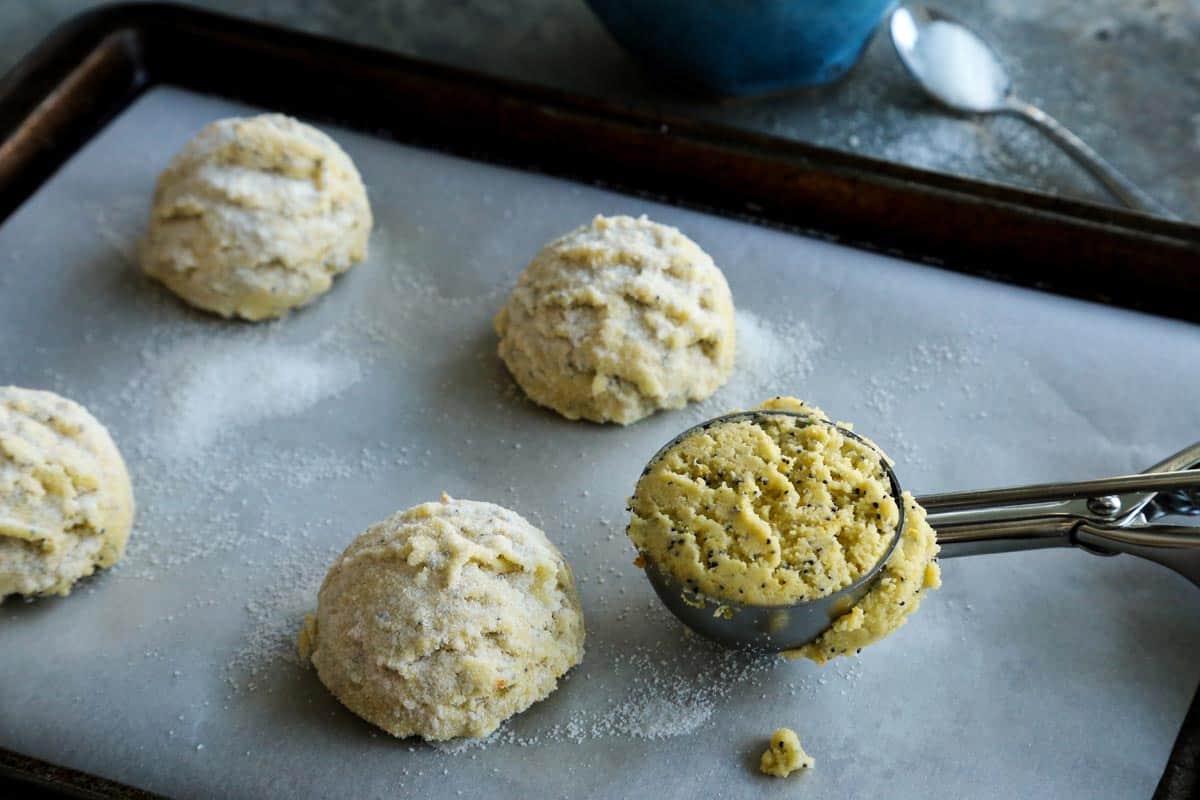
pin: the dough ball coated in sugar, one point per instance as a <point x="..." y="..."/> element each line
<point x="66" y="504"/>
<point x="256" y="216"/>
<point x="618" y="319"/>
<point x="445" y="620"/>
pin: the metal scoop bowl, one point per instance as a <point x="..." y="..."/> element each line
<point x="1104" y="517"/>
<point x="762" y="627"/>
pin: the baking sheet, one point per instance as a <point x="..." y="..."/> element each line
<point x="258" y="452"/>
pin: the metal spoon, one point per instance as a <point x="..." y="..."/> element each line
<point x="958" y="69"/>
<point x="1105" y="517"/>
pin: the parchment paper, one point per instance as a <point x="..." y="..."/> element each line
<point x="1042" y="674"/>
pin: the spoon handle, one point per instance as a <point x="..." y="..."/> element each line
<point x="1116" y="183"/>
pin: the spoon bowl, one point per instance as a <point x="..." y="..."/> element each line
<point x="950" y="61"/>
<point x="957" y="68"/>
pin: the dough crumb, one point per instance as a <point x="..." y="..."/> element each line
<point x="306" y="642"/>
<point x="784" y="755"/>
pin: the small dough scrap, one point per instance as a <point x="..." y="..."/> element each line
<point x="618" y="319"/>
<point x="784" y="755"/>
<point x="445" y="620"/>
<point x="66" y="503"/>
<point x="256" y="216"/>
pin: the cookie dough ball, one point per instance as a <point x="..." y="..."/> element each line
<point x="777" y="510"/>
<point x="66" y="505"/>
<point x="445" y="620"/>
<point x="256" y="216"/>
<point x="618" y="319"/>
<point x="784" y="755"/>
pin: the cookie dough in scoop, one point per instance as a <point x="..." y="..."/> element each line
<point x="776" y="511"/>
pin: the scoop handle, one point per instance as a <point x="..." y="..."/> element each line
<point x="988" y="536"/>
<point x="1174" y="546"/>
<point x="1035" y="517"/>
<point x="1019" y="501"/>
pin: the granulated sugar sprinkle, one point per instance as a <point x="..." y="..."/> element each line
<point x="771" y="359"/>
<point x="661" y="691"/>
<point x="276" y="613"/>
<point x="202" y="390"/>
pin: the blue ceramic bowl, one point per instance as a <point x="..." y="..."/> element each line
<point x="737" y="47"/>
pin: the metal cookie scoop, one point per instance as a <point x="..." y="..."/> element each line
<point x="1105" y="517"/>
<point x="958" y="69"/>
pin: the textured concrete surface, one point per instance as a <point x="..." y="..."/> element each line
<point x="1124" y="74"/>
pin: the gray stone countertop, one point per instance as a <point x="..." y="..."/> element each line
<point x="1123" y="74"/>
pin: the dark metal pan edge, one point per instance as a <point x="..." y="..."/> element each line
<point x="1093" y="252"/>
<point x="91" y="68"/>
